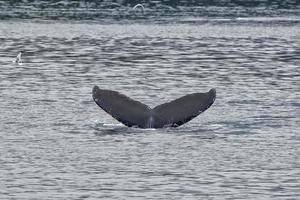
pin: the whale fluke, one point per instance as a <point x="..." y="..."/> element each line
<point x="134" y="113"/>
<point x="184" y="109"/>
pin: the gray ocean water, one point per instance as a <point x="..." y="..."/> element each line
<point x="56" y="143"/>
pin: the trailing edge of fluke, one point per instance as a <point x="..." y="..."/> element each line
<point x="136" y="114"/>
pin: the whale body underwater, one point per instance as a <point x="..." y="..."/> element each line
<point x="133" y="113"/>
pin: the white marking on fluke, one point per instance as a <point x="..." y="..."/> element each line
<point x="138" y="5"/>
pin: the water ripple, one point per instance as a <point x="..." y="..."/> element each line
<point x="56" y="143"/>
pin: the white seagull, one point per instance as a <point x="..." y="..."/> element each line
<point x="18" y="58"/>
<point x="138" y="5"/>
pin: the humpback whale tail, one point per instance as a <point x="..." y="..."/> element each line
<point x="136" y="114"/>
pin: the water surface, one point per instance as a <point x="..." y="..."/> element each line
<point x="56" y="143"/>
